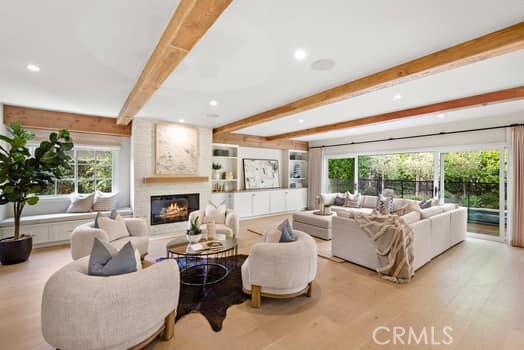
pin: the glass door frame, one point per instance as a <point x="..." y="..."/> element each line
<point x="503" y="179"/>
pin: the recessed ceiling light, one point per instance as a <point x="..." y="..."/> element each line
<point x="323" y="64"/>
<point x="397" y="96"/>
<point x="301" y="120"/>
<point x="440" y="115"/>
<point x="300" y="54"/>
<point x="213" y="103"/>
<point x="33" y="67"/>
<point x="181" y="120"/>
<point x="213" y="115"/>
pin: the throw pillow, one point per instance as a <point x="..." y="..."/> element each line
<point x="105" y="201"/>
<point x="340" y="200"/>
<point x="81" y="203"/>
<point x="384" y="205"/>
<point x="425" y="204"/>
<point x="112" y="215"/>
<point x="102" y="263"/>
<point x="216" y="212"/>
<point x="115" y="228"/>
<point x="353" y="200"/>
<point x="272" y="235"/>
<point x="287" y="233"/>
<point x="408" y="208"/>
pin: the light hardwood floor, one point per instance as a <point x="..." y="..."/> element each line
<point x="477" y="288"/>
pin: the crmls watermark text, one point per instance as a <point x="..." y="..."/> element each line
<point x="406" y="336"/>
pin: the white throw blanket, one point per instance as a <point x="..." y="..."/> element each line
<point x="394" y="241"/>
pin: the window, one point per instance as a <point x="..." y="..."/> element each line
<point x="91" y="170"/>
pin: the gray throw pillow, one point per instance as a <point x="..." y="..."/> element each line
<point x="112" y="215"/>
<point x="425" y="204"/>
<point x="287" y="232"/>
<point x="103" y="263"/>
<point x="340" y="200"/>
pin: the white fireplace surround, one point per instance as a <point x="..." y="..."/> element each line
<point x="143" y="151"/>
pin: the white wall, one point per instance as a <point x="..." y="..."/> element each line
<point x="143" y="154"/>
<point x="261" y="153"/>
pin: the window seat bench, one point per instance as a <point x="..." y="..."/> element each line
<point x="48" y="229"/>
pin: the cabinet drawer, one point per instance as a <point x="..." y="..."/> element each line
<point x="61" y="231"/>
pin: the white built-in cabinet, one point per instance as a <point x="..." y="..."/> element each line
<point x="265" y="202"/>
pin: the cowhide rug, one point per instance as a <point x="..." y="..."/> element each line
<point x="213" y="301"/>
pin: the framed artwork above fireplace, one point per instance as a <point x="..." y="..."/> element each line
<point x="176" y="149"/>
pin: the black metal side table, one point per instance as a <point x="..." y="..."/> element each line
<point x="204" y="267"/>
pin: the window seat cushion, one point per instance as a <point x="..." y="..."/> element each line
<point x="59" y="217"/>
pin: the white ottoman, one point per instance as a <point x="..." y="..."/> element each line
<point x="315" y="225"/>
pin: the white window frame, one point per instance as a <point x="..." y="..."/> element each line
<point x="115" y="151"/>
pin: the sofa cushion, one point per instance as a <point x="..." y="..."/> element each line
<point x="115" y="228"/>
<point x="448" y="207"/>
<point x="272" y="235"/>
<point x="408" y="208"/>
<point x="216" y="212"/>
<point x="411" y="217"/>
<point x="102" y="263"/>
<point x="369" y="202"/>
<point x="81" y="203"/>
<point x="431" y="211"/>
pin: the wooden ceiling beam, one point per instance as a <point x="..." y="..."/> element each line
<point x="487" y="46"/>
<point x="188" y="24"/>
<point x="259" y="141"/>
<point x="500" y="96"/>
<point x="52" y="120"/>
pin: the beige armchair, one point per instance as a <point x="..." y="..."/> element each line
<point x="110" y="313"/>
<point x="83" y="236"/>
<point x="280" y="270"/>
<point x="229" y="228"/>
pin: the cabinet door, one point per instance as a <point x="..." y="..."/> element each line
<point x="40" y="232"/>
<point x="243" y="203"/>
<point x="292" y="199"/>
<point x="260" y="203"/>
<point x="302" y="199"/>
<point x="277" y="201"/>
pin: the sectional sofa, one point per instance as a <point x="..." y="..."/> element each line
<point x="435" y="230"/>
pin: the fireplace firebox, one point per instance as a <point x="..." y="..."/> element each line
<point x="172" y="208"/>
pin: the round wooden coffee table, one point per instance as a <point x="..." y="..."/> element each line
<point x="204" y="267"/>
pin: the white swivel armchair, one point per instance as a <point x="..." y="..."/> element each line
<point x="83" y="236"/>
<point x="280" y="270"/>
<point x="109" y="313"/>
<point x="230" y="227"/>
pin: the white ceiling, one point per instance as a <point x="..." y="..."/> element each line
<point x="91" y="53"/>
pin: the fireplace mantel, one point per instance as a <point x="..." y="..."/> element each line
<point x="174" y="179"/>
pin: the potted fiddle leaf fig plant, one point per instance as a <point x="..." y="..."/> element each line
<point x="23" y="176"/>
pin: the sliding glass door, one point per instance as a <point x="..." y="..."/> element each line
<point x="476" y="180"/>
<point x="341" y="175"/>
